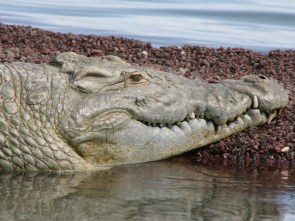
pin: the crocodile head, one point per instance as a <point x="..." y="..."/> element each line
<point x="116" y="113"/>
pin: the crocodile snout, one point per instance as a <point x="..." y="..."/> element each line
<point x="269" y="94"/>
<point x="266" y="94"/>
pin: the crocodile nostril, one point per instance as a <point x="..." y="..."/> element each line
<point x="262" y="77"/>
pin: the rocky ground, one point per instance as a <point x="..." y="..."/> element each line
<point x="270" y="145"/>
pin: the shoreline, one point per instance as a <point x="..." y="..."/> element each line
<point x="263" y="144"/>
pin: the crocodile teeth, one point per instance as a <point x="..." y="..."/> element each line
<point x="271" y="116"/>
<point x="161" y="125"/>
<point x="192" y="115"/>
<point x="218" y="129"/>
<point x="255" y="102"/>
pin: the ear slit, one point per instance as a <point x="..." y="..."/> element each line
<point x="91" y="71"/>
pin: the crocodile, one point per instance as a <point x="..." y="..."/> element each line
<point x="80" y="113"/>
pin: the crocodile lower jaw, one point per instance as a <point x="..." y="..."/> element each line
<point x="116" y="120"/>
<point x="255" y="116"/>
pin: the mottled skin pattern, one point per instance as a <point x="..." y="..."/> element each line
<point x="80" y="113"/>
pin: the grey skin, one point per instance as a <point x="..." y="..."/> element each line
<point x="80" y="113"/>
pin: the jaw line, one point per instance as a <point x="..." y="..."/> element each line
<point x="186" y="129"/>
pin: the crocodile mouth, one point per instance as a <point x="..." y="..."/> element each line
<point x="253" y="114"/>
<point x="114" y="120"/>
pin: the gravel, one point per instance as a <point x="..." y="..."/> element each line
<point x="271" y="146"/>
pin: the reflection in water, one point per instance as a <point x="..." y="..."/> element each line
<point x="165" y="190"/>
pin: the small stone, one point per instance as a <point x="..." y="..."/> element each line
<point x="285" y="149"/>
<point x="145" y="53"/>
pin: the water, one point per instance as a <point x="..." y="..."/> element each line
<point x="254" y="24"/>
<point x="166" y="190"/>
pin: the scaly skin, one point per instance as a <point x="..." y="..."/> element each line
<point x="80" y="113"/>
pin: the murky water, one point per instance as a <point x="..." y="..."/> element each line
<point x="165" y="190"/>
<point x="260" y="25"/>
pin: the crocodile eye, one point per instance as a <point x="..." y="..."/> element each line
<point x="136" y="78"/>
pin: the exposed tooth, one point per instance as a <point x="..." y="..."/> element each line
<point x="239" y="120"/>
<point x="254" y="114"/>
<point x="255" y="102"/>
<point x="202" y="116"/>
<point x="192" y="115"/>
<point x="246" y="118"/>
<point x="217" y="129"/>
<point x="263" y="117"/>
<point x="178" y="124"/>
<point x="149" y="124"/>
<point x="185" y="126"/>
<point x="169" y="126"/>
<point x="176" y="129"/>
<point x="194" y="123"/>
<point x="161" y="125"/>
<point x="154" y="124"/>
<point x="210" y="126"/>
<point x="271" y="116"/>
